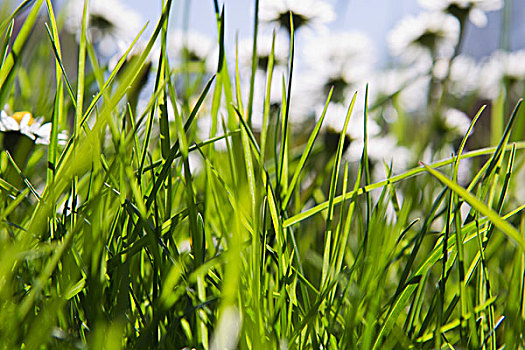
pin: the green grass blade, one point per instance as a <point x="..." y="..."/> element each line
<point x="306" y="153"/>
<point x="6" y="71"/>
<point x="5" y="42"/>
<point x="394" y="179"/>
<point x="493" y="217"/>
<point x="333" y="188"/>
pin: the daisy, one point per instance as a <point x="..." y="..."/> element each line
<point x="340" y="51"/>
<point x="264" y="49"/>
<point x="430" y="34"/>
<point x="456" y="122"/>
<point x="190" y="46"/>
<point x="305" y="13"/>
<point x="23" y="123"/>
<point x="465" y="76"/>
<point x="381" y="149"/>
<point x="300" y="102"/>
<point x="135" y="51"/>
<point x="335" y="120"/>
<point x="111" y="24"/>
<point x="413" y="97"/>
<point x="461" y="9"/>
<point x="502" y="68"/>
<point x="387" y="83"/>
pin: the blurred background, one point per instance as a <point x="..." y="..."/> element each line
<point x="505" y="28"/>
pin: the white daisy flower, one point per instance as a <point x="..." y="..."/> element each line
<point x="473" y="9"/>
<point x="305" y="13"/>
<point x="300" y="102"/>
<point x="414" y="96"/>
<point x="456" y="121"/>
<point x="433" y="34"/>
<point x="465" y="75"/>
<point x="381" y="149"/>
<point x="335" y="119"/>
<point x="264" y="49"/>
<point x="344" y="80"/>
<point x="111" y="24"/>
<point x="340" y="51"/>
<point x="23" y="123"/>
<point x="386" y="83"/>
<point x="502" y="67"/>
<point x="190" y="45"/>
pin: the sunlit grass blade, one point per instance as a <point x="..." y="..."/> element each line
<point x="333" y="188"/>
<point x="496" y="220"/>
<point x="394" y="179"/>
<point x="6" y="70"/>
<point x="55" y="44"/>
<point x="110" y="79"/>
<point x="254" y="62"/>
<point x="285" y="107"/>
<point x="20" y="8"/>
<point x="5" y="42"/>
<point x="175" y="148"/>
<point x="306" y="153"/>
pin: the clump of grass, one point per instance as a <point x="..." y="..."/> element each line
<point x="117" y="240"/>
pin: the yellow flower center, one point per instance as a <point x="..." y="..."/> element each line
<point x="18" y="116"/>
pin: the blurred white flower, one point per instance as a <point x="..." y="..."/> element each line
<point x="456" y="121"/>
<point x="259" y="95"/>
<point x="465" y="76"/>
<point x="474" y="9"/>
<point x="344" y="81"/>
<point x="388" y="82"/>
<point x="192" y="46"/>
<point x="300" y="102"/>
<point x="342" y="61"/>
<point x="433" y="34"/>
<point x="305" y="13"/>
<point x="381" y="149"/>
<point x="24" y="124"/>
<point x="414" y="96"/>
<point x="335" y="119"/>
<point x="264" y="49"/>
<point x="502" y="67"/>
<point x="340" y="50"/>
<point x="135" y="51"/>
<point x="111" y="23"/>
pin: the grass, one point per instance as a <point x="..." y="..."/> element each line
<point x="115" y="240"/>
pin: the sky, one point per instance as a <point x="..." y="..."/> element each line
<point x="375" y="18"/>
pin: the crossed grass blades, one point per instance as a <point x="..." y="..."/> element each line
<point x="115" y="240"/>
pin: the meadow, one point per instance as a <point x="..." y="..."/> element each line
<point x="163" y="189"/>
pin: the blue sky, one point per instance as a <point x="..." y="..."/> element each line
<point x="373" y="17"/>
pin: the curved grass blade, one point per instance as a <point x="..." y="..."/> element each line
<point x="306" y="153"/>
<point x="397" y="178"/>
<point x="6" y="41"/>
<point x="7" y="69"/>
<point x="493" y="217"/>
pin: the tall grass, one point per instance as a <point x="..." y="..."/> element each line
<point x="115" y="240"/>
